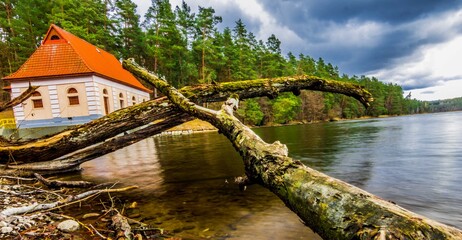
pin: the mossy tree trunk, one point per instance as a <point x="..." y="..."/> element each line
<point x="52" y="147"/>
<point x="332" y="208"/>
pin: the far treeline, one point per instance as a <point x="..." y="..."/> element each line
<point x="187" y="48"/>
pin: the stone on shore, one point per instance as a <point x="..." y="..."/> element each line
<point x="68" y="226"/>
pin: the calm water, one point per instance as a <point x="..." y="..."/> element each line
<point x="415" y="161"/>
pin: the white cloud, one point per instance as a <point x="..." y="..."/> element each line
<point x="450" y="89"/>
<point x="353" y="33"/>
<point x="433" y="65"/>
<point x="433" y="70"/>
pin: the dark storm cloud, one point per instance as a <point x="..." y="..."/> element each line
<point x="391" y="11"/>
<point x="310" y="19"/>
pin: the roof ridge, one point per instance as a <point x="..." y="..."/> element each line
<point x="59" y="30"/>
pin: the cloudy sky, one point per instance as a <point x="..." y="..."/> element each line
<point x="414" y="43"/>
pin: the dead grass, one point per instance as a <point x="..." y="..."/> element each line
<point x="195" y="125"/>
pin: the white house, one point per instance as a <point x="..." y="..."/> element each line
<point x="78" y="82"/>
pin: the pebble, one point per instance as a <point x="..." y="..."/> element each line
<point x="68" y="226"/>
<point x="90" y="215"/>
<point x="7" y="230"/>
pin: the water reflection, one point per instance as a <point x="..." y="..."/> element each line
<point x="415" y="161"/>
<point x="185" y="187"/>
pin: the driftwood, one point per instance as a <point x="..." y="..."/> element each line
<point x="61" y="184"/>
<point x="271" y="87"/>
<point x="69" y="200"/>
<point x="332" y="208"/>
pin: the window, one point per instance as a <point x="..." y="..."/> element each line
<point x="73" y="96"/>
<point x="121" y="100"/>
<point x="133" y="100"/>
<point x="106" y="102"/>
<point x="37" y="100"/>
<point x="55" y="37"/>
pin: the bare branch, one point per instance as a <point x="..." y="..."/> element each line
<point x="21" y="98"/>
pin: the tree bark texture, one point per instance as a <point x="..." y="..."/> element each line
<point x="332" y="208"/>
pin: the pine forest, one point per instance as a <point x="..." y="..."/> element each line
<point x="187" y="47"/>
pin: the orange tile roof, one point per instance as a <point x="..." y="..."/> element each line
<point x="71" y="56"/>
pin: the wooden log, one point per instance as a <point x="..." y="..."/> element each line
<point x="271" y="87"/>
<point x="51" y="147"/>
<point x="78" y="137"/>
<point x="72" y="162"/>
<point x="332" y="208"/>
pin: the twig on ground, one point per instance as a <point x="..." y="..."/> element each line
<point x="68" y="201"/>
<point x="59" y="184"/>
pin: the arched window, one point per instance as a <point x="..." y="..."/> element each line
<point x="55" y="37"/>
<point x="106" y="101"/>
<point x="133" y="100"/>
<point x="121" y="100"/>
<point x="73" y="96"/>
<point x="36" y="98"/>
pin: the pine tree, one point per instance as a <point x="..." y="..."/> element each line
<point x="130" y="34"/>
<point x="28" y="27"/>
<point x="8" y="53"/>
<point x="205" y="26"/>
<point x="245" y="57"/>
<point x="274" y="61"/>
<point x="165" y="43"/>
<point x="84" y="19"/>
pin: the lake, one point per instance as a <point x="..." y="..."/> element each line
<point x="186" y="181"/>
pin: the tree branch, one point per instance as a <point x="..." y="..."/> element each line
<point x="272" y="87"/>
<point x="331" y="207"/>
<point x="73" y="161"/>
<point x="19" y="99"/>
<point x="51" y="147"/>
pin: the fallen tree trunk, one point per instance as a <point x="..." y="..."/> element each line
<point x="99" y="130"/>
<point x="52" y="147"/>
<point x="271" y="87"/>
<point x="72" y="163"/>
<point x="332" y="208"/>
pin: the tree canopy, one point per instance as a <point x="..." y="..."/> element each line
<point x="187" y="47"/>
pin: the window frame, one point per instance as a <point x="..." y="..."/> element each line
<point x="73" y="96"/>
<point x="37" y="101"/>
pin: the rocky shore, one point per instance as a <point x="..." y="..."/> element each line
<point x="30" y="210"/>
